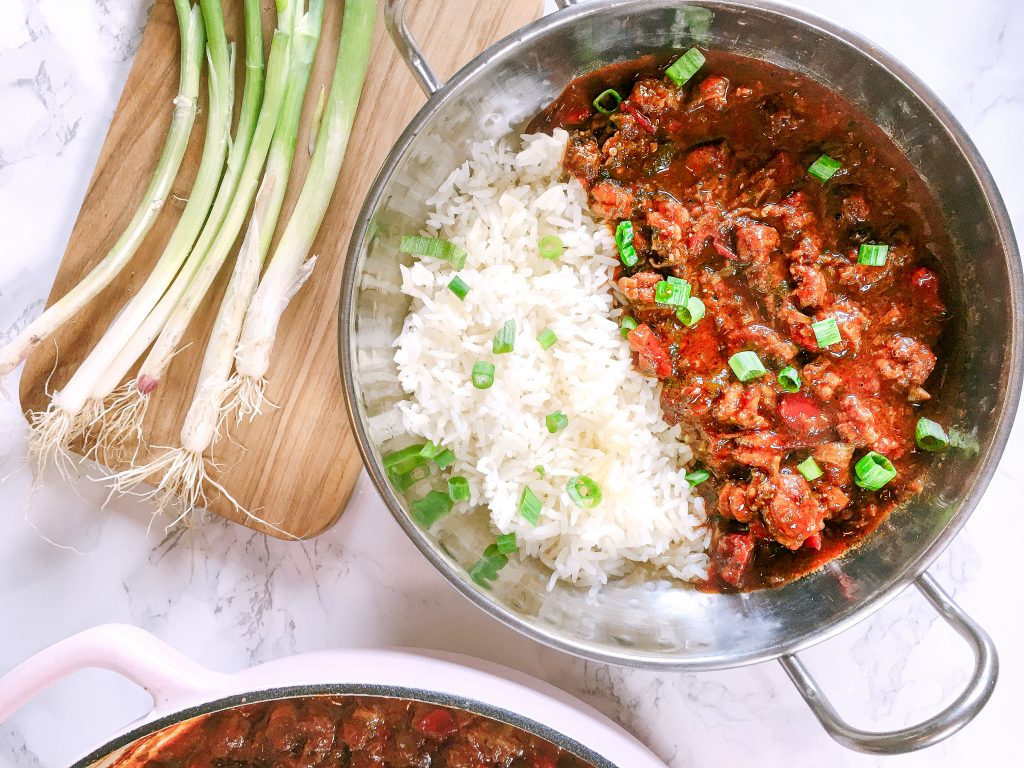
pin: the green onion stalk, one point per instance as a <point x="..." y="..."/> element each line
<point x="289" y="267"/>
<point x="184" y="468"/>
<point x="74" y="409"/>
<point x="193" y="45"/>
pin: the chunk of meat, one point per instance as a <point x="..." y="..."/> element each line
<point x="770" y="181"/>
<point x="583" y="157"/>
<point x="760" y="448"/>
<point x="733" y="556"/>
<point x="925" y="284"/>
<point x="655" y="95"/>
<point x="798" y="326"/>
<point x="652" y="355"/>
<point x="631" y="110"/>
<point x="811" y="287"/>
<point x="639" y="288"/>
<point x="835" y="459"/>
<point x="729" y="309"/>
<point x="906" y="361"/>
<point x="834" y="499"/>
<point x="794" y="512"/>
<point x="854" y="208"/>
<point x="707" y="157"/>
<point x="794" y="213"/>
<point x="733" y="502"/>
<point x="851" y="321"/>
<point x="764" y="340"/>
<point x="803" y="416"/>
<point x="858" y="426"/>
<point x="611" y="201"/>
<point x="755" y="242"/>
<point x="738" y="405"/>
<point x="822" y="381"/>
<point x="711" y="92"/>
<point x="669" y="218"/>
<point x="681" y="400"/>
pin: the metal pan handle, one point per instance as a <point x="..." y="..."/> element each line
<point x="935" y="729"/>
<point x="170" y="678"/>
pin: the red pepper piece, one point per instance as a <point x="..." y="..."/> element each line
<point x="641" y="118"/>
<point x="654" y="359"/>
<point x="802" y="415"/>
<point x="437" y="724"/>
<point x="813" y="542"/>
<point x="724" y="250"/>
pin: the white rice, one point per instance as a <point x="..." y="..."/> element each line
<point x="497" y="205"/>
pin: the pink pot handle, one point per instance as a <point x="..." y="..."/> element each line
<point x="170" y="678"/>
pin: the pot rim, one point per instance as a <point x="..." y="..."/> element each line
<point x="912" y="569"/>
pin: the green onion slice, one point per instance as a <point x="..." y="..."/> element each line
<point x="873" y="254"/>
<point x="546" y="338"/>
<point x="873" y="471"/>
<point x="444" y="459"/>
<point x="626" y="325"/>
<point x="672" y="292"/>
<point x="506" y="544"/>
<point x="930" y="435"/>
<point x="824" y="168"/>
<point x="539" y="469"/>
<point x="458" y="488"/>
<point x="550" y="247"/>
<point x="430" y="450"/>
<point x="483" y="374"/>
<point x="964" y="441"/>
<point x="809" y="469"/>
<point x="434" y="248"/>
<point x="405" y="460"/>
<point x="431" y="508"/>
<point x="697" y="476"/>
<point x="584" y="492"/>
<point x="505" y="338"/>
<point x="486" y="568"/>
<point x="459" y="287"/>
<point x="826" y="332"/>
<point x="747" y="365"/>
<point x="685" y="67"/>
<point x="529" y="506"/>
<point x="691" y="314"/>
<point x="556" y="421"/>
<point x="789" y="379"/>
<point x="624" y="242"/>
<point x="600" y="102"/>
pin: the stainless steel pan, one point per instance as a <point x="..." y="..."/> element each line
<point x="665" y="625"/>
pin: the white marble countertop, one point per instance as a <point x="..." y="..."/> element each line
<point x="231" y="598"/>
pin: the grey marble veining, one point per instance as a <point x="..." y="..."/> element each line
<point x="231" y="598"/>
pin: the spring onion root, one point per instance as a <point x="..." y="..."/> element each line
<point x="193" y="44"/>
<point x="289" y="266"/>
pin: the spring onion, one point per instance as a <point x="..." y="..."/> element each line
<point x="404" y="460"/>
<point x="601" y="102"/>
<point x="873" y="471"/>
<point x="584" y="492"/>
<point x="483" y="374"/>
<point x="685" y="67"/>
<point x="873" y="254"/>
<point x="430" y="449"/>
<point x="930" y="436"/>
<point x="430" y="508"/>
<point x="459" y="287"/>
<point x="964" y="441"/>
<point x="444" y="459"/>
<point x="404" y="481"/>
<point x="539" y="469"/>
<point x="506" y="544"/>
<point x="691" y="314"/>
<point x="550" y="247"/>
<point x="556" y="421"/>
<point x="434" y="248"/>
<point x="697" y="476"/>
<point x="824" y="168"/>
<point x="826" y="332"/>
<point x="789" y="379"/>
<point x="505" y="339"/>
<point x="746" y="365"/>
<point x="672" y="292"/>
<point x="546" y="338"/>
<point x="809" y="469"/>
<point x="193" y="42"/>
<point x="486" y="569"/>
<point x="624" y="243"/>
<point x="626" y="325"/>
<point x="529" y="506"/>
<point x="458" y="488"/>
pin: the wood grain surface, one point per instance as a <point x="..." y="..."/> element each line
<point x="295" y="466"/>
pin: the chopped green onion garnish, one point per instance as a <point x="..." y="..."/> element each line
<point x="600" y="102"/>
<point x="964" y="441"/>
<point x="486" y="568"/>
<point x="505" y="338"/>
<point x="685" y="66"/>
<point x="672" y="293"/>
<point x="483" y="374"/>
<point x="809" y="469"/>
<point x="434" y="248"/>
<point x="624" y="242"/>
<point x="626" y="325"/>
<point x="789" y="379"/>
<point x="430" y="450"/>
<point x="546" y="338"/>
<point x="584" y="492"/>
<point x="431" y="508"/>
<point x="872" y="254"/>
<point x="824" y="168"/>
<point x="697" y="476"/>
<point x="405" y="460"/>
<point x="930" y="435"/>
<point x="556" y="421"/>
<point x="459" y="287"/>
<point x="691" y="314"/>
<point x="826" y="332"/>
<point x="539" y="469"/>
<point x="873" y="471"/>
<point x="458" y="488"/>
<point x="404" y="482"/>
<point x="506" y="544"/>
<point x="550" y="247"/>
<point x="746" y="365"/>
<point x="444" y="459"/>
<point x="529" y="506"/>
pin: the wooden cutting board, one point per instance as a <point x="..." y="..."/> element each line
<point x="295" y="466"/>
